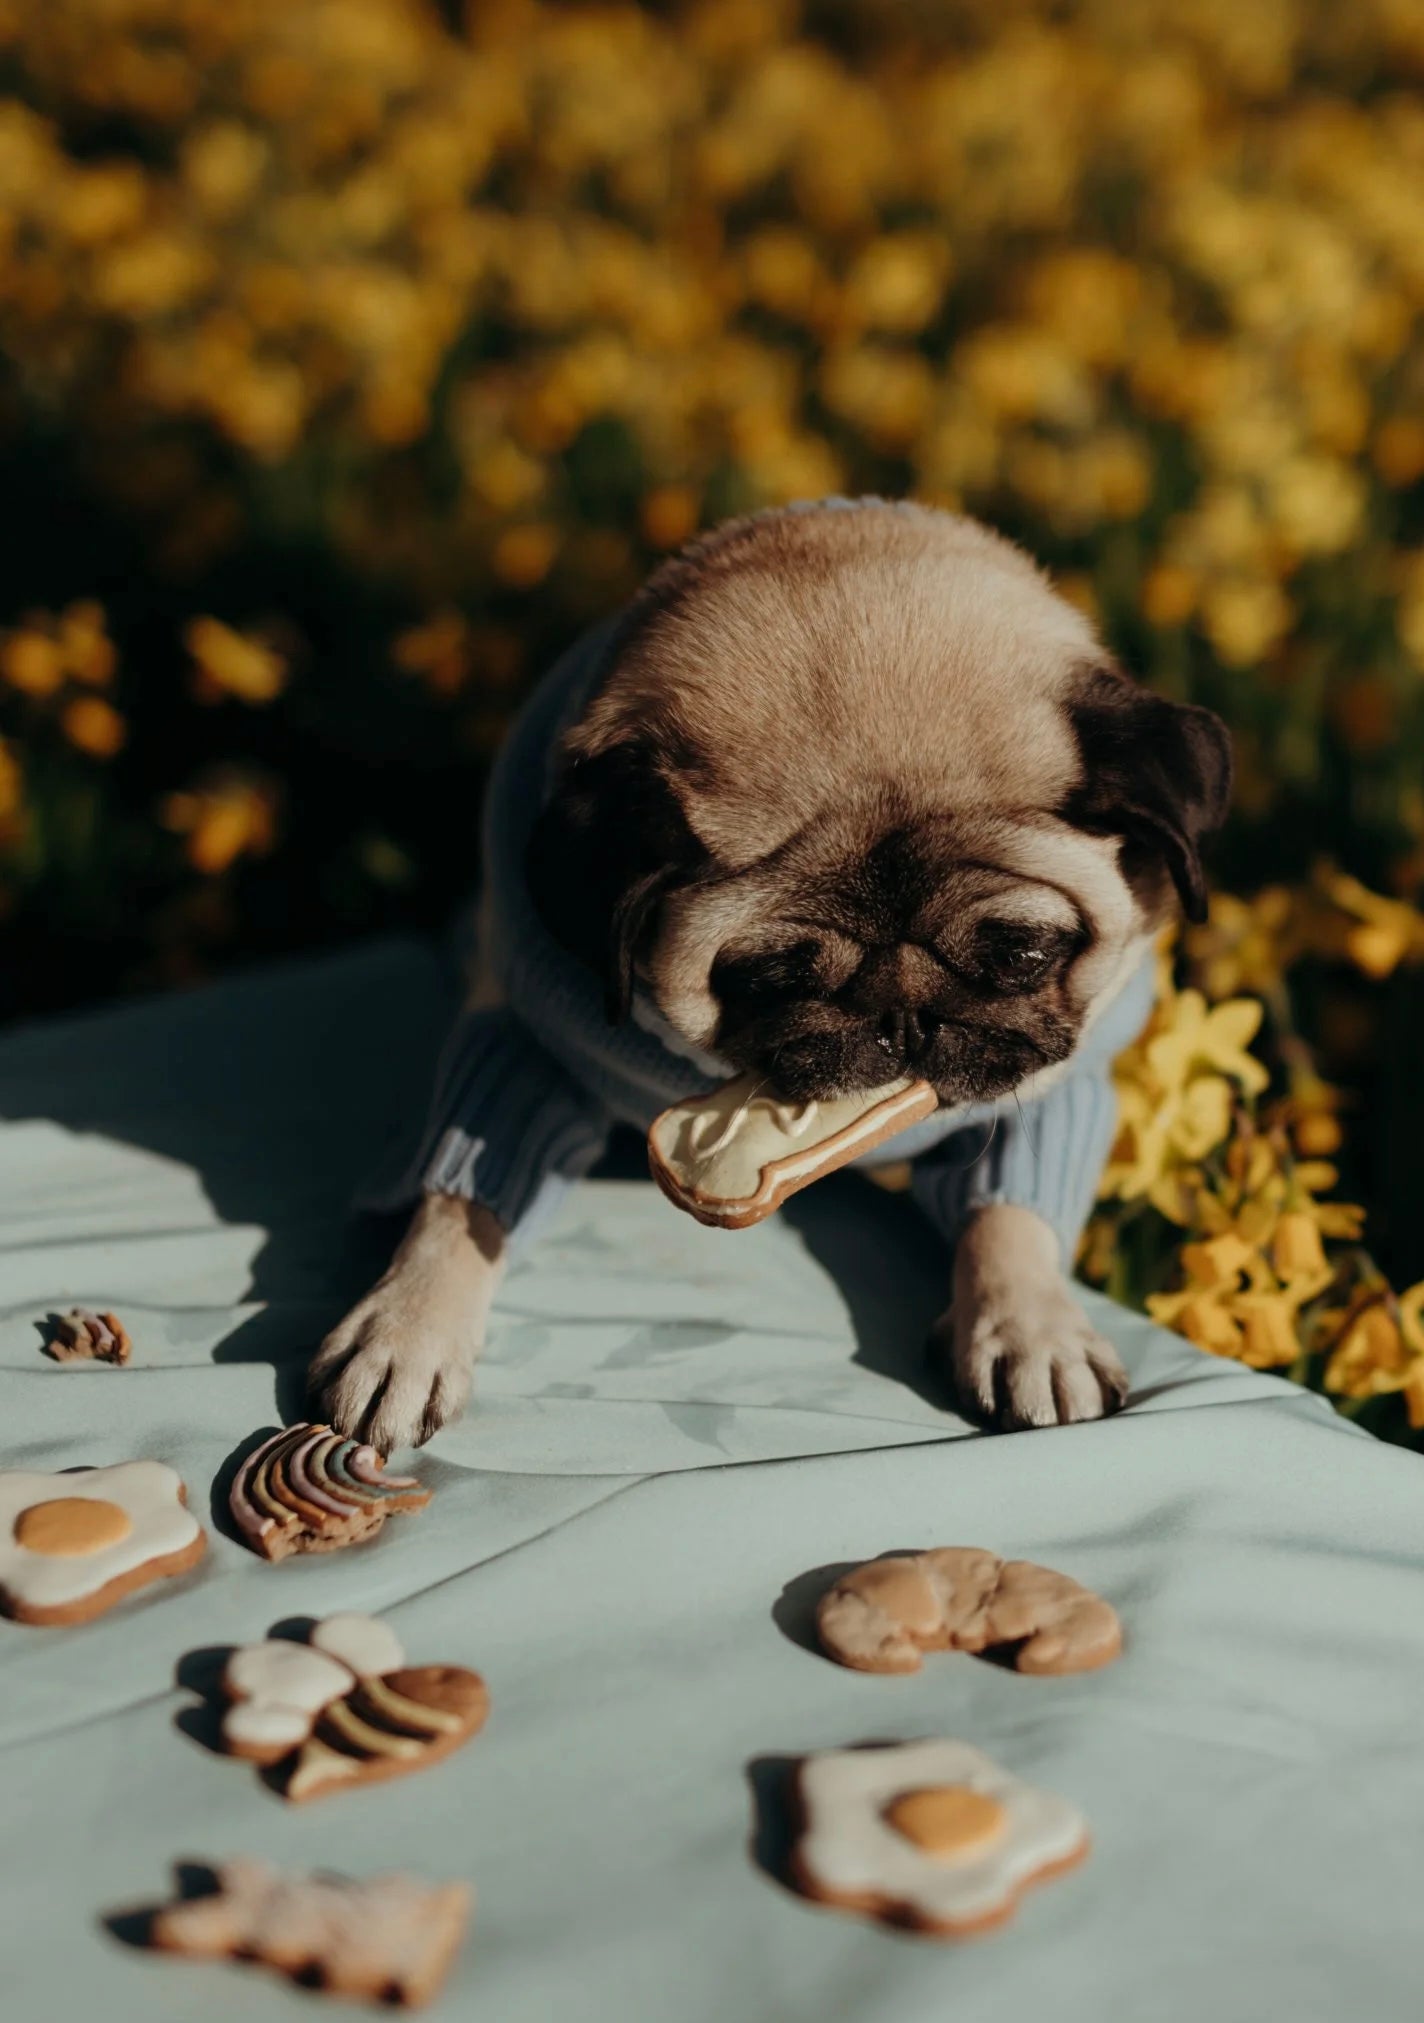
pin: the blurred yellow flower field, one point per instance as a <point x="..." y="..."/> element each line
<point x="357" y="352"/>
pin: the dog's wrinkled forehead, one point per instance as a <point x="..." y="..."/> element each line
<point x="865" y="710"/>
<point x="811" y="653"/>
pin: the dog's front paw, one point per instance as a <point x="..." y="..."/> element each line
<point x="1028" y="1358"/>
<point x="389" y="1376"/>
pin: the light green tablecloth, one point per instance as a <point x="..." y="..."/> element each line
<point x="674" y="1427"/>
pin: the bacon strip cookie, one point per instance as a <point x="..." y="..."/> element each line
<point x="308" y="1490"/>
<point x="881" y="1616"/>
<point x="733" y="1157"/>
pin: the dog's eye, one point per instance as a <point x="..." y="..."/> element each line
<point x="1009" y="955"/>
<point x="765" y="978"/>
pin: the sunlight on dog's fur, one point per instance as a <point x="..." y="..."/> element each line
<point x="857" y="795"/>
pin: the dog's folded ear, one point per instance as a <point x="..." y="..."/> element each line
<point x="1157" y="773"/>
<point x="609" y="844"/>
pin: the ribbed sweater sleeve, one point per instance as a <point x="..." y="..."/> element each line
<point x="1047" y="1156"/>
<point x="508" y="1127"/>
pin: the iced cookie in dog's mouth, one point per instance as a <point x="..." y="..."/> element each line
<point x="933" y="1835"/>
<point x="730" y="1159"/>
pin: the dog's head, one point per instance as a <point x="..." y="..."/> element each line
<point x="858" y="795"/>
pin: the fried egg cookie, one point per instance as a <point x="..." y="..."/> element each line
<point x="73" y="1545"/>
<point x="345" y="1709"/>
<point x="932" y="1835"/>
<point x="731" y="1158"/>
<point x="390" y="1939"/>
<point x="881" y="1616"/>
<point x="308" y="1490"/>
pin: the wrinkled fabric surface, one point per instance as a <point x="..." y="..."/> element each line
<point x="678" y="1433"/>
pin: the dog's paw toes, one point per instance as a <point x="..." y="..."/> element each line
<point x="1016" y="1377"/>
<point x="390" y="1395"/>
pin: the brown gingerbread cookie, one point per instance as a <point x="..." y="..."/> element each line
<point x="733" y="1157"/>
<point x="881" y="1616"/>
<point x="345" y="1709"/>
<point x="390" y="1939"/>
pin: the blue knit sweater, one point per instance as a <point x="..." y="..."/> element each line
<point x="526" y="1094"/>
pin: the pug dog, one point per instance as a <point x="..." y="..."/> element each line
<point x="848" y="792"/>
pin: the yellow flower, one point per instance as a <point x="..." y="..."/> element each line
<point x="884" y="391"/>
<point x="896" y="283"/>
<point x="228" y="816"/>
<point x="1411" y="1318"/>
<point x="235" y="664"/>
<point x="43" y="652"/>
<point x="94" y="725"/>
<point x="439" y="651"/>
<point x="1296" y="1249"/>
<point x="1244" y="945"/>
<point x="669" y="515"/>
<point x="1169" y="594"/>
<point x="1188" y="1035"/>
<point x="1379" y="933"/>
<point x="1371" y="1357"/>
<point x="85" y="648"/>
<point x="1246" y="619"/>
<point x="1202" y="1317"/>
<point x="1221" y="1261"/>
<point x="12" y="793"/>
<point x="1268" y="1330"/>
<point x="523" y="556"/>
<point x="31" y="661"/>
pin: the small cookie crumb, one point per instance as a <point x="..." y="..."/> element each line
<point x="84" y="1337"/>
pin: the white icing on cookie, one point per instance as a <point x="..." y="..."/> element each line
<point x="721" y="1144"/>
<point x="364" y="1644"/>
<point x="850" y="1849"/>
<point x="278" y="1689"/>
<point x="265" y="1725"/>
<point x="150" y="1495"/>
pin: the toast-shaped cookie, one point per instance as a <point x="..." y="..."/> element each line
<point x="730" y="1159"/>
<point x="390" y="1939"/>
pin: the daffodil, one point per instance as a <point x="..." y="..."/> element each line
<point x="1371" y="1357"/>
<point x="232" y="664"/>
<point x="1191" y="1035"/>
<point x="1378" y="933"/>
